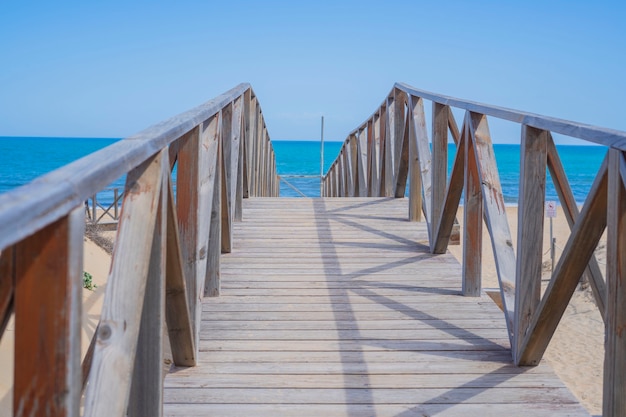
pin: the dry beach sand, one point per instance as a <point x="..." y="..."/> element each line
<point x="576" y="351"/>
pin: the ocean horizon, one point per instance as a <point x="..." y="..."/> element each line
<point x="23" y="159"/>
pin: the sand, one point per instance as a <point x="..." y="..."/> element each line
<point x="576" y="352"/>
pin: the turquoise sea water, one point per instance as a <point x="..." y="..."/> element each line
<point x="23" y="159"/>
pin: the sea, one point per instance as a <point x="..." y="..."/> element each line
<point x="298" y="162"/>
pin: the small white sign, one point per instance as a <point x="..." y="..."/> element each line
<point x="550" y="208"/>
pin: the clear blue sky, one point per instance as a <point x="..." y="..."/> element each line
<point x="112" y="68"/>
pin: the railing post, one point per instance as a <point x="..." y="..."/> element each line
<point x="532" y="191"/>
<point x="118" y="332"/>
<point x="146" y="394"/>
<point x="48" y="272"/>
<point x="614" y="401"/>
<point x="439" y="162"/>
<point x="473" y="222"/>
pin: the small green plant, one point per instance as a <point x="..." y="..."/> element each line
<point x="88" y="281"/>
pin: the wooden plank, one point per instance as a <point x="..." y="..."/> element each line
<point x="495" y="213"/>
<point x="246" y="143"/>
<point x="592" y="274"/>
<point x="376" y="381"/>
<point x="415" y="177"/>
<point x="146" y="390"/>
<point x="402" y="166"/>
<point x="473" y="221"/>
<point x="444" y="229"/>
<point x="226" y="142"/>
<point x="213" y="280"/>
<point x="379" y="410"/>
<point x="575" y="257"/>
<point x="387" y="152"/>
<point x="439" y="170"/>
<point x="375" y="166"/>
<point x="48" y="272"/>
<point x="362" y="160"/>
<point x="194" y="194"/>
<point x="531" y="206"/>
<point x="238" y="194"/>
<point x="7" y="286"/>
<point x="179" y="327"/>
<point x="361" y="396"/>
<point x="109" y="383"/>
<point x="613" y="401"/>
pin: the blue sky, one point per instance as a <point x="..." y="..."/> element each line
<point x="110" y="69"/>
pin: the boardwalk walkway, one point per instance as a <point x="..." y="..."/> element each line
<point x="333" y="307"/>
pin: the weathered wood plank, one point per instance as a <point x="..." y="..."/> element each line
<point x="379" y="410"/>
<point x="570" y="209"/>
<point x="573" y="261"/>
<point x="444" y="229"/>
<point x="613" y="401"/>
<point x="146" y="390"/>
<point x="213" y="280"/>
<point x="362" y="162"/>
<point x="109" y="383"/>
<point x="7" y="286"/>
<point x="179" y="327"/>
<point x="415" y="176"/>
<point x="439" y="170"/>
<point x="473" y="220"/>
<point x="226" y="142"/>
<point x="48" y="273"/>
<point x="532" y="194"/>
<point x="361" y="396"/>
<point x="495" y="213"/>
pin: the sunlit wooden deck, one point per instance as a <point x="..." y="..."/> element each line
<point x="335" y="307"/>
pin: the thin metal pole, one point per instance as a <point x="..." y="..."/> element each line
<point x="322" y="160"/>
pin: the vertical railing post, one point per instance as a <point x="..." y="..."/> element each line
<point x="614" y="401"/>
<point x="415" y="176"/>
<point x="472" y="221"/>
<point x="146" y="395"/>
<point x="439" y="162"/>
<point x="532" y="191"/>
<point x="48" y="272"/>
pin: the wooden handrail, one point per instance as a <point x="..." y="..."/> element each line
<point x="166" y="257"/>
<point x="393" y="146"/>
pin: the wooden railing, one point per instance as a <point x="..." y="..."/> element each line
<point x="393" y="147"/>
<point x="166" y="257"/>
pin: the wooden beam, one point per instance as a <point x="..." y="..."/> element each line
<point x="362" y="162"/>
<point x="439" y="169"/>
<point x="580" y="246"/>
<point x="194" y="194"/>
<point x="402" y="171"/>
<point x="7" y="286"/>
<point x="248" y="133"/>
<point x="146" y="391"/>
<point x="473" y="221"/>
<point x="114" y="356"/>
<point x="212" y="283"/>
<point x="373" y="130"/>
<point x="387" y="152"/>
<point x="179" y="327"/>
<point x="226" y="142"/>
<point x="614" y="401"/>
<point x="443" y="230"/>
<point x="495" y="214"/>
<point x="48" y="299"/>
<point x="532" y="192"/>
<point x="239" y="130"/>
<point x="416" y="107"/>
<point x="592" y="273"/>
<point x="415" y="175"/>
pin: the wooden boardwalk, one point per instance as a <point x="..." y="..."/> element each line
<point x="335" y="307"/>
